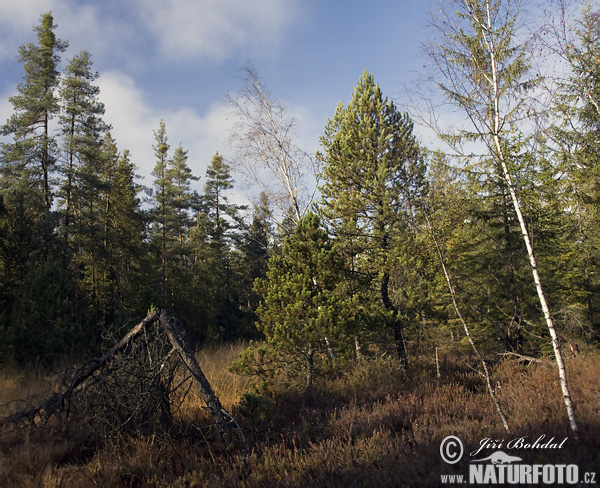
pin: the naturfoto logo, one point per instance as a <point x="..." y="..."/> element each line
<point x="502" y="468"/>
<point x="499" y="457"/>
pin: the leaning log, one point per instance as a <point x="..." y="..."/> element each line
<point x="179" y="342"/>
<point x="58" y="402"/>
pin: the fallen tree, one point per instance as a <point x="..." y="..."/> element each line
<point x="132" y="385"/>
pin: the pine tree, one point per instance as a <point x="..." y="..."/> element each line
<point x="184" y="198"/>
<point x="91" y="196"/>
<point x="82" y="128"/>
<point x="163" y="211"/>
<point x="173" y="201"/>
<point x="37" y="312"/>
<point x="223" y="214"/>
<point x="299" y="308"/>
<point x="126" y="249"/>
<point x="224" y="229"/>
<point x="29" y="161"/>
<point x="204" y="283"/>
<point x="373" y="178"/>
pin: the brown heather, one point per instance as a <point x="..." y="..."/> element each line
<point x="365" y="425"/>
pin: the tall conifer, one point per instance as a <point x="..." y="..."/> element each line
<point x="29" y="161"/>
<point x="373" y="178"/>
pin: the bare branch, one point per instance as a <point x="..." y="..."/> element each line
<point x="265" y="151"/>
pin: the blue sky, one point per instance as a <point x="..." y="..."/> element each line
<point x="178" y="59"/>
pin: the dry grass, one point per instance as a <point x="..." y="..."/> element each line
<point x="24" y="383"/>
<point x="367" y="425"/>
<point x="214" y="361"/>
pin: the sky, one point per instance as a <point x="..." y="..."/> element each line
<point x="177" y="60"/>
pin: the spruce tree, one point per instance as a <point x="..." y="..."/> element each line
<point x="256" y="247"/>
<point x="484" y="70"/>
<point x="576" y="133"/>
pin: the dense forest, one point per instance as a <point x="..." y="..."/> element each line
<point x="492" y="245"/>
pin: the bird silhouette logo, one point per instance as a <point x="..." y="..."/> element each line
<point x="499" y="457"/>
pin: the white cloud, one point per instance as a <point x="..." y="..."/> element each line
<point x="17" y="15"/>
<point x="86" y="27"/>
<point x="6" y="110"/>
<point x="216" y="28"/>
<point x="91" y="27"/>
<point x="175" y="29"/>
<point x="16" y="23"/>
<point x="202" y="134"/>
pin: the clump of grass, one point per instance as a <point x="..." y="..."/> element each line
<point x="23" y="384"/>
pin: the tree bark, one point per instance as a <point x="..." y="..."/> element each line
<point x="56" y="402"/>
<point x="310" y="368"/>
<point x="330" y="349"/>
<point x="397" y="325"/>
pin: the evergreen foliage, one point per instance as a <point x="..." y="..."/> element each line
<point x="29" y="161"/>
<point x="80" y="255"/>
<point x="374" y="177"/>
<point x="300" y="308"/>
<point x="576" y="134"/>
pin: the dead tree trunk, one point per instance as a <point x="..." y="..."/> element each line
<point x="95" y="371"/>
<point x="180" y="344"/>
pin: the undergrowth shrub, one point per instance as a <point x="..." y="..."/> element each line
<point x="369" y="424"/>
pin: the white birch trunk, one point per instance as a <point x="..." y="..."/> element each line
<point x="526" y="238"/>
<point x="357" y="349"/>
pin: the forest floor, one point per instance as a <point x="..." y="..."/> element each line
<point x="364" y="425"/>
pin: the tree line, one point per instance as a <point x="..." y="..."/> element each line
<point x="82" y="250"/>
<point x="498" y="236"/>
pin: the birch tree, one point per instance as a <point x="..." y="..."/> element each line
<point x="484" y="71"/>
<point x="267" y="155"/>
